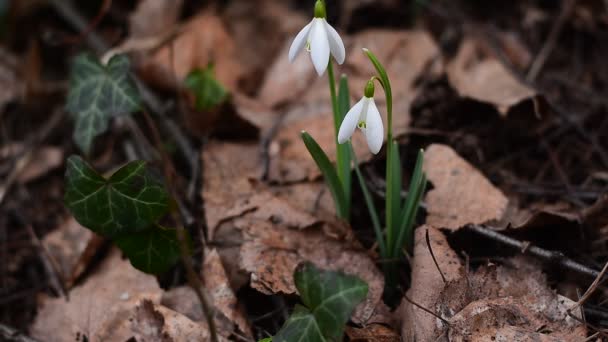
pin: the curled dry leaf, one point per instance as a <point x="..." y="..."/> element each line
<point x="485" y="305"/>
<point x="184" y="300"/>
<point x="487" y="80"/>
<point x="403" y="53"/>
<point x="372" y="333"/>
<point x="461" y="194"/>
<point x="271" y="253"/>
<point x="98" y="305"/>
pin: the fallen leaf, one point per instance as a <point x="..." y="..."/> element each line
<point x="461" y="194"/>
<point x="97" y="304"/>
<point x="41" y="160"/>
<point x="202" y="40"/>
<point x="512" y="299"/>
<point x="427" y="283"/>
<point x="67" y="244"/>
<point x="487" y="80"/>
<point x="271" y="253"/>
<point x="153" y="18"/>
<point x="372" y="333"/>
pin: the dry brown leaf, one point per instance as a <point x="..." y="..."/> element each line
<point x="491" y="302"/>
<point x="404" y="54"/>
<point x="461" y="195"/>
<point x="41" y="160"/>
<point x="67" y="244"/>
<point x="427" y="283"/>
<point x="372" y="333"/>
<point x="153" y="18"/>
<point x="486" y="80"/>
<point x="271" y="253"/>
<point x="203" y="40"/>
<point x="97" y="305"/>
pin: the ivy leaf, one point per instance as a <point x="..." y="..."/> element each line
<point x="209" y="93"/>
<point x="301" y="326"/>
<point x="131" y="200"/>
<point x="98" y="93"/>
<point x="330" y="296"/>
<point x="152" y="251"/>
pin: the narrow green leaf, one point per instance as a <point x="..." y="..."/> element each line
<point x="393" y="194"/>
<point x="131" y="200"/>
<point x="410" y="209"/>
<point x="344" y="158"/>
<point x="152" y="251"/>
<point x="331" y="297"/>
<point x="329" y="173"/>
<point x="301" y="326"/>
<point x="97" y="93"/>
<point x="208" y="91"/>
<point x="369" y="202"/>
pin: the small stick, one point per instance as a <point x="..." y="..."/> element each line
<point x="544" y="254"/>
<point x="10" y="334"/>
<point x="591" y="288"/>
<point x="426" y="310"/>
<point x="549" y="45"/>
<point x="428" y="244"/>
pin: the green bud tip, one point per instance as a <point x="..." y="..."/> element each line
<point x="320" y="9"/>
<point x="369" y="89"/>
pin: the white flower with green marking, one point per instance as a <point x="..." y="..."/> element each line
<point x="365" y="116"/>
<point x="320" y="39"/>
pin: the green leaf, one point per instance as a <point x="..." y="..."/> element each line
<point x="208" y="91"/>
<point x="131" y="200"/>
<point x="301" y="326"/>
<point x="344" y="158"/>
<point x="98" y="93"/>
<point x="393" y="193"/>
<point x="267" y="339"/>
<point x="410" y="209"/>
<point x="330" y="296"/>
<point x="152" y="251"/>
<point x="329" y="173"/>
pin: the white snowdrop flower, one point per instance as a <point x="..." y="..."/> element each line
<point x="364" y="115"/>
<point x="320" y="39"/>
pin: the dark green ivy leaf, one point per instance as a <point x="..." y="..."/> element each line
<point x="152" y="251"/>
<point x="208" y="91"/>
<point x="301" y="326"/>
<point x="131" y="200"/>
<point x="330" y="296"/>
<point x="98" y="93"/>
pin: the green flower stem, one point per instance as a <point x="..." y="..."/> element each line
<point x="342" y="161"/>
<point x="373" y="213"/>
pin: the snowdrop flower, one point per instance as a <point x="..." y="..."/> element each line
<point x="320" y="39"/>
<point x="366" y="116"/>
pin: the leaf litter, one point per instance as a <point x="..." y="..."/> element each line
<point x="266" y="209"/>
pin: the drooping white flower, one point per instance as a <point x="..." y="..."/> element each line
<point x="320" y="39"/>
<point x="364" y="115"/>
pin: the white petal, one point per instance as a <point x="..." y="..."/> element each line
<point x="319" y="46"/>
<point x="299" y="42"/>
<point x="336" y="45"/>
<point x="374" y="131"/>
<point x="349" y="124"/>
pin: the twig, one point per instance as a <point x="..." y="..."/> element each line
<point x="10" y="334"/>
<point x="66" y="9"/>
<point x="426" y="310"/>
<point x="551" y="256"/>
<point x="556" y="30"/>
<point x="428" y="244"/>
<point x="591" y="288"/>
